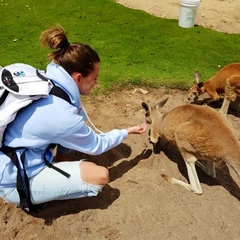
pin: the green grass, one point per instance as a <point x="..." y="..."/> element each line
<point x="134" y="47"/>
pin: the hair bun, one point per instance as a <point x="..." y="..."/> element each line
<point x="64" y="44"/>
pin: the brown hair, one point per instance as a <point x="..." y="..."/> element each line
<point x="75" y="57"/>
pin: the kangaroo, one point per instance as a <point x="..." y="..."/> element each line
<point x="199" y="133"/>
<point x="215" y="85"/>
<point x="232" y="90"/>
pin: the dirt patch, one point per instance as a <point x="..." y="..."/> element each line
<point x="137" y="203"/>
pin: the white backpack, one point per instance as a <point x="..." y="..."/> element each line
<point x="20" y="84"/>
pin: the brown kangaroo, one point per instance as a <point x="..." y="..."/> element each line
<point x="215" y="85"/>
<point x="200" y="133"/>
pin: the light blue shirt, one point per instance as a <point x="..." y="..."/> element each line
<point x="52" y="120"/>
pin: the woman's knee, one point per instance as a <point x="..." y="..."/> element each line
<point x="104" y="178"/>
<point x="94" y="174"/>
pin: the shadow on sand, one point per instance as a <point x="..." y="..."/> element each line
<point x="56" y="209"/>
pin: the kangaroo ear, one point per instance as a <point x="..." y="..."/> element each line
<point x="145" y="106"/>
<point x="162" y="103"/>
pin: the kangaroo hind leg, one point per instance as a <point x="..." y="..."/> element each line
<point x="186" y="143"/>
<point x="194" y="185"/>
<point x="192" y="174"/>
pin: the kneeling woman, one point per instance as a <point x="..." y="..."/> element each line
<point x="75" y="69"/>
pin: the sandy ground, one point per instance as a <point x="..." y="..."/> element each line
<point x="138" y="203"/>
<point x="220" y="15"/>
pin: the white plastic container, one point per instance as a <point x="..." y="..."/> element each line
<point x="188" y="13"/>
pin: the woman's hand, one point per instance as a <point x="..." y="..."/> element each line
<point x="141" y="128"/>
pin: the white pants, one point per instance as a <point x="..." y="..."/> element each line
<point x="51" y="185"/>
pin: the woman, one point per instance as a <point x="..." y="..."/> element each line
<point x="75" y="69"/>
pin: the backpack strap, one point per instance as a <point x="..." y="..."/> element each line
<point x="24" y="199"/>
<point x="3" y="97"/>
<point x="22" y="184"/>
<point x="57" y="91"/>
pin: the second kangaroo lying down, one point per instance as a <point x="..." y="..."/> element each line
<point x="200" y="133"/>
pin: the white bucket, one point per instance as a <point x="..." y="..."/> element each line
<point x="188" y="13"/>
